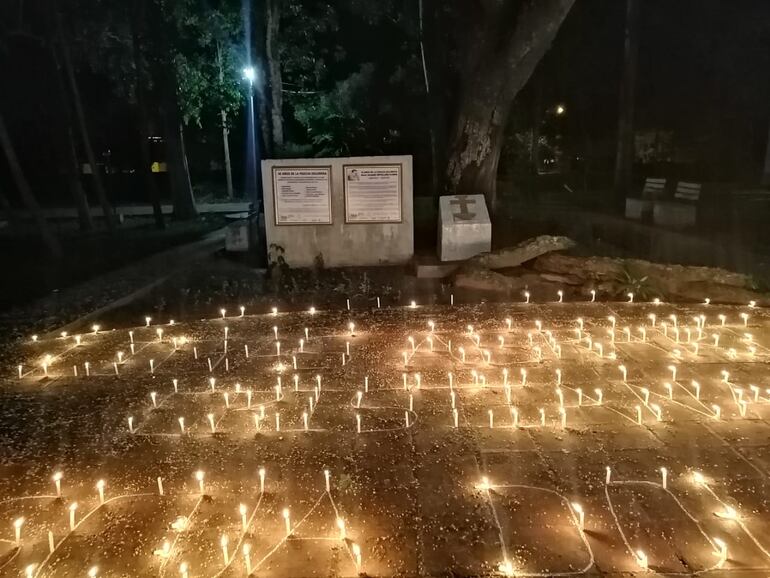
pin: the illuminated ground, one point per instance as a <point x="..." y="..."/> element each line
<point x="410" y="486"/>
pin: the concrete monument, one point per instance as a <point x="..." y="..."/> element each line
<point x="464" y="228"/>
<point x="345" y="211"/>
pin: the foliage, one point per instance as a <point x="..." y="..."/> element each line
<point x="330" y="78"/>
<point x="278" y="270"/>
<point x="205" y="55"/>
<point x="335" y="120"/>
<point x="627" y="281"/>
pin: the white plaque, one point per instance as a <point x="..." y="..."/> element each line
<point x="302" y="195"/>
<point x="372" y="193"/>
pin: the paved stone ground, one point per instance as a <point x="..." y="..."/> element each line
<point x="478" y="473"/>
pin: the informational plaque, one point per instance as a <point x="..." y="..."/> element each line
<point x="372" y="193"/>
<point x="302" y="195"/>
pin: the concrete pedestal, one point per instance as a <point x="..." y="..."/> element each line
<point x="675" y="215"/>
<point x="636" y="209"/>
<point x="240" y="234"/>
<point x="464" y="228"/>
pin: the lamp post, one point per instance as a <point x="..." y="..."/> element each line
<point x="252" y="169"/>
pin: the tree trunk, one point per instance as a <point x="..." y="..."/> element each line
<point x="101" y="193"/>
<point x="274" y="69"/>
<point x="69" y="150"/>
<point x="624" y="159"/>
<point x="27" y="196"/>
<point x="265" y="122"/>
<point x="72" y="170"/>
<point x="137" y="18"/>
<point x="766" y="169"/>
<point x="537" y="121"/>
<point x="490" y="82"/>
<point x="5" y="206"/>
<point x="225" y="131"/>
<point x="432" y="124"/>
<point x="178" y="169"/>
<point x="226" y="150"/>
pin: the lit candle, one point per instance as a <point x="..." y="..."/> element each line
<point x="721" y="552"/>
<point x="641" y="559"/>
<point x="580" y="515"/>
<point x="17" y="524"/>
<point x="57" y="477"/>
<point x="247" y="558"/>
<point x="223" y="543"/>
<point x="287" y="521"/>
<point x="73" y="507"/>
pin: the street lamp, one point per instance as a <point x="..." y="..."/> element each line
<point x="249" y="74"/>
<point x="253" y="169"/>
<point x="252" y="166"/>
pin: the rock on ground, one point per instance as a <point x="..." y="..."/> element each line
<point x="521" y="253"/>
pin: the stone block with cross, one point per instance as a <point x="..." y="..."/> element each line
<point x="464" y="228"/>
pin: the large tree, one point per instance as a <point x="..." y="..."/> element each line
<point x="624" y="159"/>
<point x="27" y="196"/>
<point x="207" y="56"/>
<point x="273" y="57"/>
<point x="138" y="14"/>
<point x="766" y="165"/>
<point x="70" y="166"/>
<point x="80" y="116"/>
<point x="503" y="40"/>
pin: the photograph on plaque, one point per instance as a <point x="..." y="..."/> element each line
<point x="372" y="193"/>
<point x="302" y="195"/>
